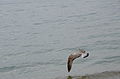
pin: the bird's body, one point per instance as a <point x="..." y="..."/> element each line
<point x="75" y="55"/>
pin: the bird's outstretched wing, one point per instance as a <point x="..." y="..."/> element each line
<point x="69" y="64"/>
<point x="75" y="55"/>
<point x="70" y="60"/>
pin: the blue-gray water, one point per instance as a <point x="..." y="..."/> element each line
<point x="36" y="37"/>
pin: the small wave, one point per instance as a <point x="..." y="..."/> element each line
<point x="37" y="23"/>
<point x="11" y="68"/>
<point x="102" y="75"/>
<point x="113" y="57"/>
<point x="25" y="65"/>
<point x="107" y="60"/>
<point x="7" y="69"/>
<point x="77" y="16"/>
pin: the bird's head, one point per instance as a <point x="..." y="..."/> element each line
<point x="84" y="55"/>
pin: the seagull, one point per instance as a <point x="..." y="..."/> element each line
<point x="81" y="53"/>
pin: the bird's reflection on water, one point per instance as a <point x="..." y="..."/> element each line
<point x="80" y="77"/>
<point x="69" y="77"/>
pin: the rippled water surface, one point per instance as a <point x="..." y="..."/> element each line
<point x="36" y="37"/>
<point x="102" y="75"/>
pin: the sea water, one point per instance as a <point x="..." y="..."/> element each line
<point x="37" y="36"/>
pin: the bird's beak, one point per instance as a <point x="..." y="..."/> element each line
<point x="85" y="55"/>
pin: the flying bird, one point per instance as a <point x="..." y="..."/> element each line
<point x="81" y="53"/>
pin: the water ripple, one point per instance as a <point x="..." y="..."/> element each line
<point x="25" y="65"/>
<point x="102" y="75"/>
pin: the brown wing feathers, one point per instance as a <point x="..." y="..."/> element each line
<point x="74" y="56"/>
<point x="69" y="64"/>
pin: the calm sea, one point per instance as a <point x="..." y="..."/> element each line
<point x="37" y="36"/>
